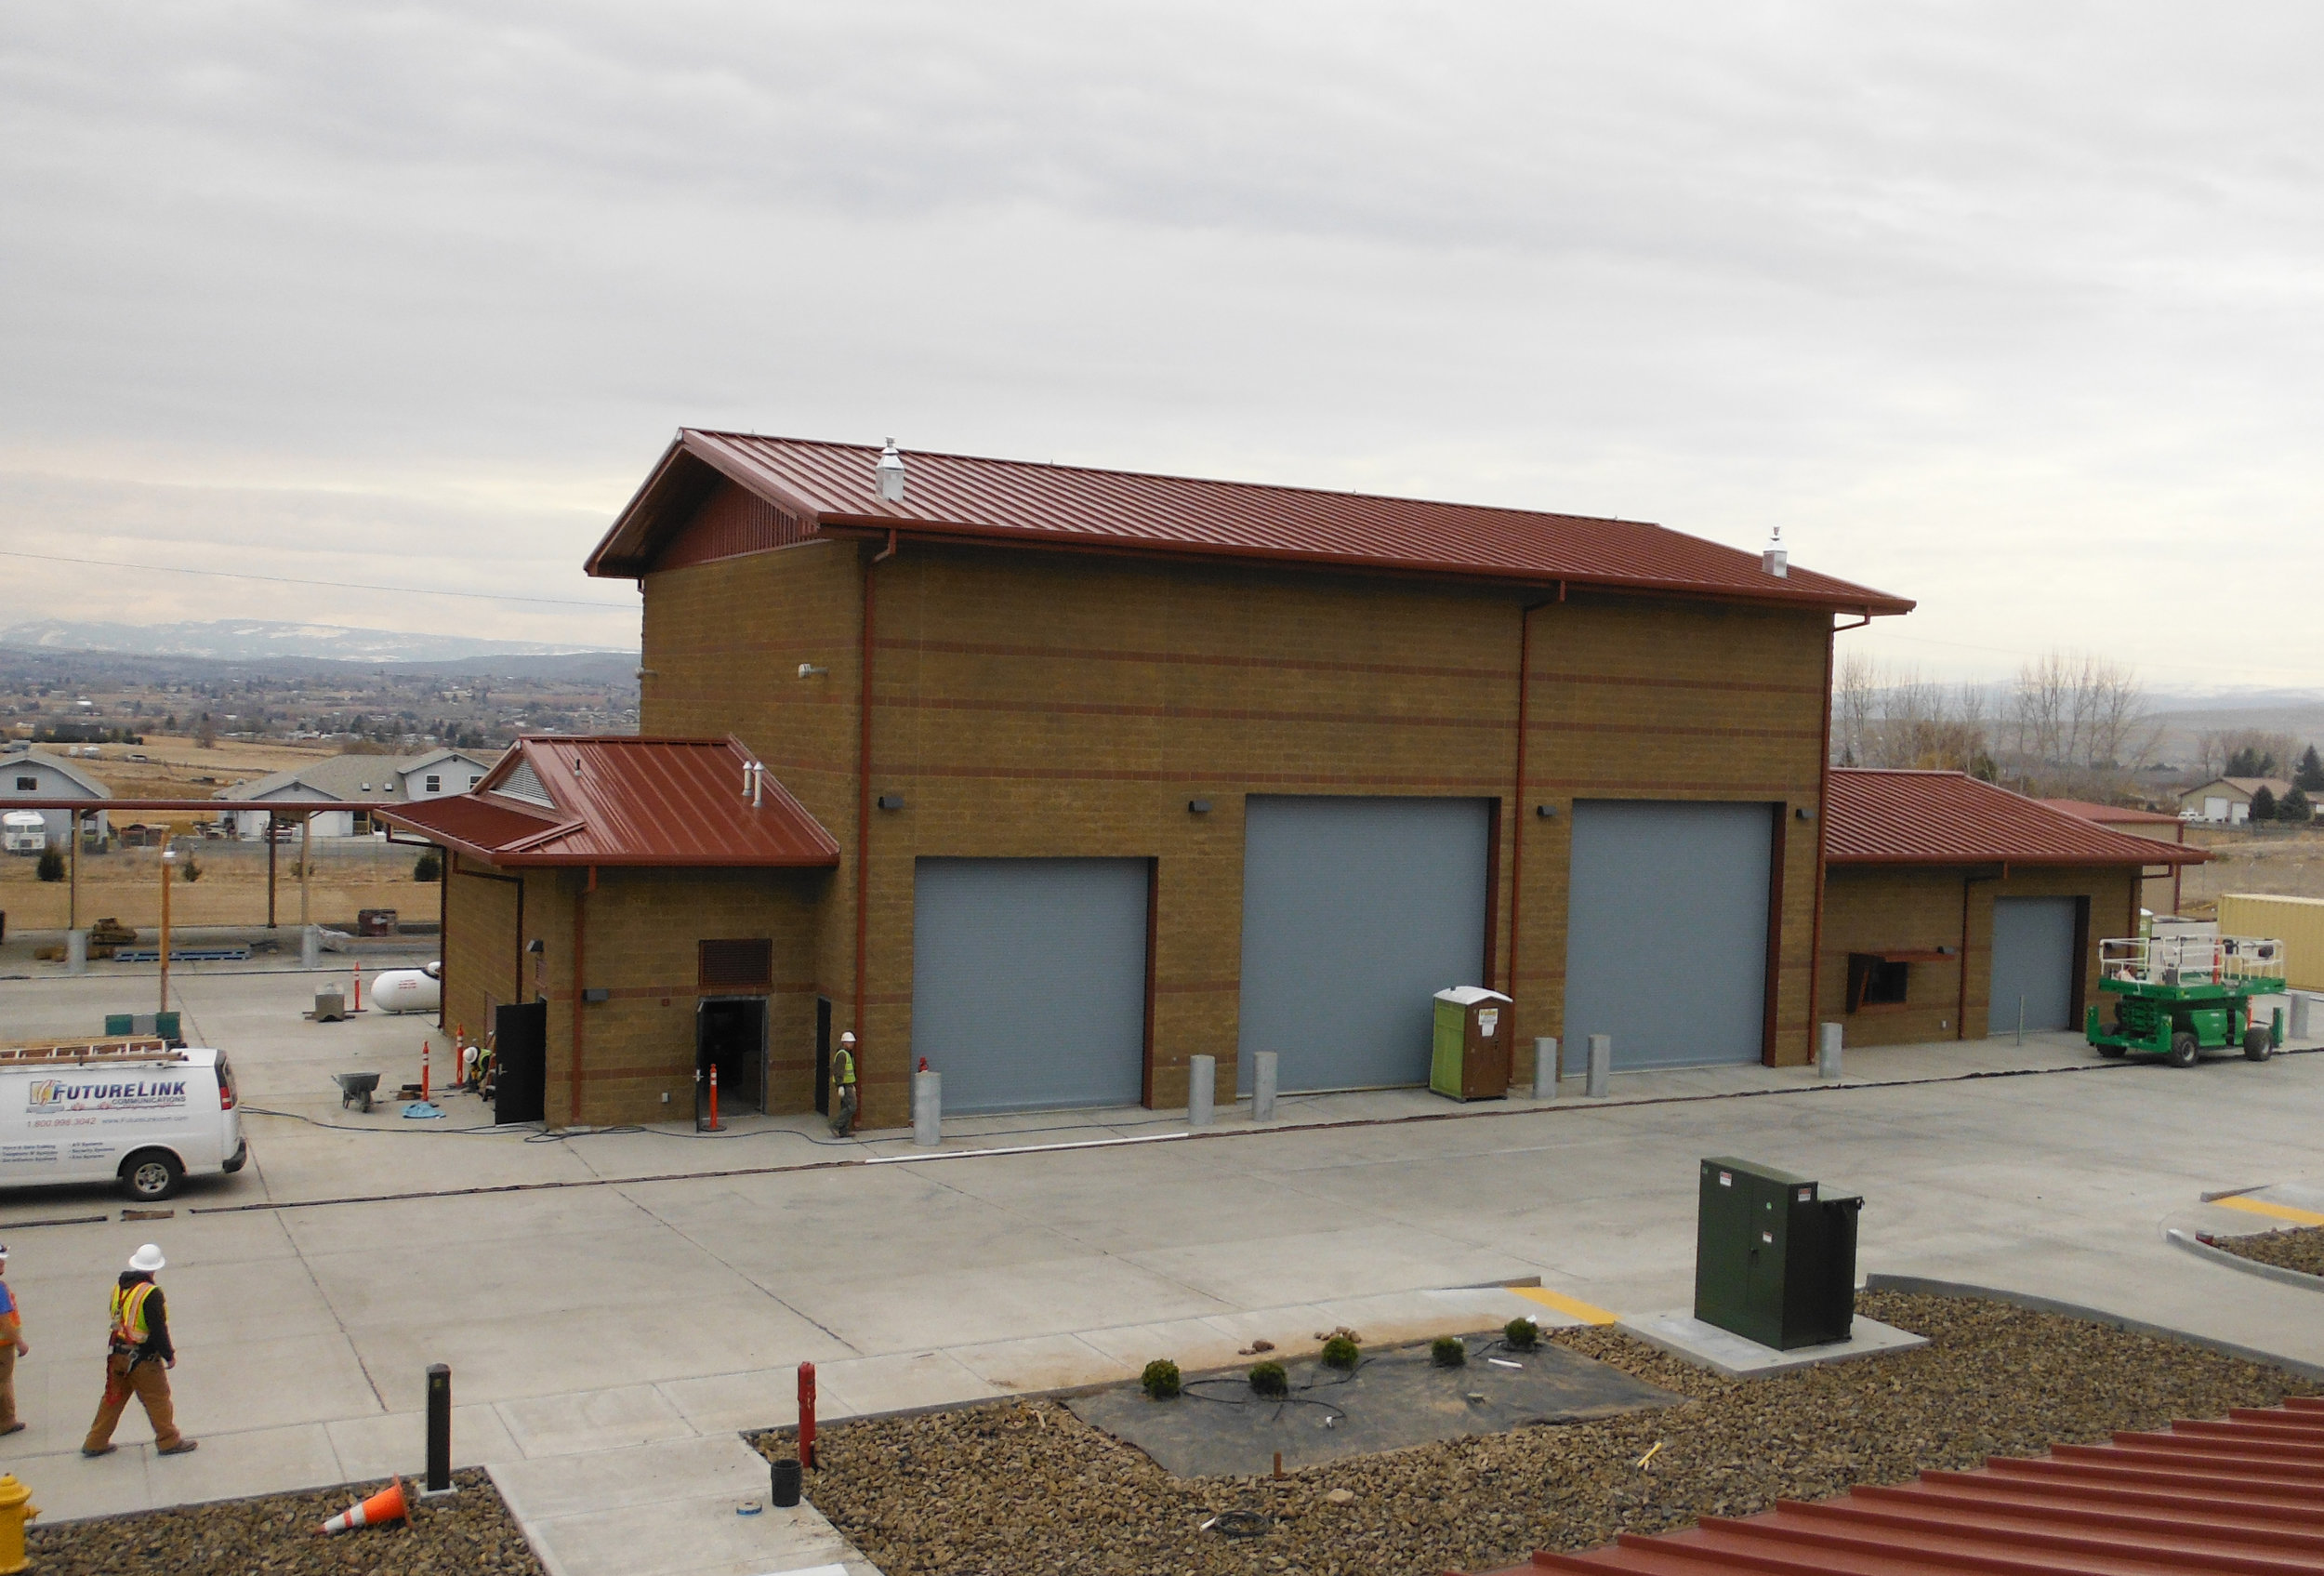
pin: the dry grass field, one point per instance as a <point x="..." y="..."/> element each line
<point x="2285" y="866"/>
<point x="126" y="884"/>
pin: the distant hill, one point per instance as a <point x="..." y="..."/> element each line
<point x="255" y="640"/>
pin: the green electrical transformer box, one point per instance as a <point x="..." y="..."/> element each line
<point x="1775" y="1260"/>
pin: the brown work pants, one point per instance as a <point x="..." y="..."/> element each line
<point x="147" y="1381"/>
<point x="7" y="1381"/>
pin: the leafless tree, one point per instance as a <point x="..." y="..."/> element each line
<point x="2080" y="712"/>
<point x="1899" y="718"/>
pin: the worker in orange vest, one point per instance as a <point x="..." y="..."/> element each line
<point x="12" y="1346"/>
<point x="138" y="1351"/>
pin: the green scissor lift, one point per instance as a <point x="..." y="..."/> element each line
<point x="2179" y="995"/>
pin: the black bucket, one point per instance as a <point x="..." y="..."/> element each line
<point x="787" y="1483"/>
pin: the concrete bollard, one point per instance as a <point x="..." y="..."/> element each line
<point x="310" y="946"/>
<point x="1202" y="1081"/>
<point x="928" y="1109"/>
<point x="2303" y="1015"/>
<point x="1601" y="1065"/>
<point x="1545" y="1068"/>
<point x="76" y="952"/>
<point x="1263" y="1087"/>
<point x="1828" y="1053"/>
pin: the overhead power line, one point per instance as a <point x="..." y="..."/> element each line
<point x="295" y="580"/>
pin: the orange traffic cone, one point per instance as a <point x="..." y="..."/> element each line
<point x="385" y="1505"/>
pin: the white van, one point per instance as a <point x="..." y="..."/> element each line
<point x="132" y="1111"/>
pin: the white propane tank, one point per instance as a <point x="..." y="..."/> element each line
<point x="409" y="990"/>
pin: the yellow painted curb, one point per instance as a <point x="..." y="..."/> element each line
<point x="2275" y="1211"/>
<point x="1573" y="1306"/>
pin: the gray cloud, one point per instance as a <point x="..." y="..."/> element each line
<point x="2010" y="309"/>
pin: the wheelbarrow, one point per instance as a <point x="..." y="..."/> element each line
<point x="355" y="1087"/>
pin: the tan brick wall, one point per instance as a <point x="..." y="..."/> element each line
<point x="479" y="947"/>
<point x="1071" y="705"/>
<point x="1880" y="908"/>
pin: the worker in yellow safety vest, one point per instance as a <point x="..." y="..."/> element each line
<point x="843" y="1083"/>
<point x="137" y="1350"/>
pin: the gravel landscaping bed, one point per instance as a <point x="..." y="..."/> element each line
<point x="2301" y="1248"/>
<point x="276" y="1534"/>
<point x="1024" y="1486"/>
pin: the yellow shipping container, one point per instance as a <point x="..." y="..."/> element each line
<point x="2297" y="921"/>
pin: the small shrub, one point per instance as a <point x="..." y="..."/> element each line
<point x="1160" y="1380"/>
<point x="190" y="870"/>
<point x="51" y="865"/>
<point x="1522" y="1335"/>
<point x="1448" y="1351"/>
<point x="1268" y="1379"/>
<point x="428" y="867"/>
<point x="1341" y="1352"/>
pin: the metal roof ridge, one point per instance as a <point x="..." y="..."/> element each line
<point x="1202" y="481"/>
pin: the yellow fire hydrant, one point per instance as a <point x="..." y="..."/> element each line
<point x="16" y="1509"/>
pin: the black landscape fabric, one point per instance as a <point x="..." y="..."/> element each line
<point x="1394" y="1398"/>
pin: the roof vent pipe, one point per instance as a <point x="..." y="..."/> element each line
<point x="890" y="473"/>
<point x="1774" y="560"/>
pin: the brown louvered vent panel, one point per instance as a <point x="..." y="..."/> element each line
<point x="728" y="525"/>
<point x="728" y="966"/>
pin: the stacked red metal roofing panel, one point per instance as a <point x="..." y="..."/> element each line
<point x="2244" y="1495"/>
<point x="619" y="800"/>
<point x="964" y="497"/>
<point x="1896" y="818"/>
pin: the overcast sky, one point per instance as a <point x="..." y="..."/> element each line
<point x="2010" y="309"/>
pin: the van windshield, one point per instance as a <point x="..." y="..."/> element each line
<point x="226" y="1095"/>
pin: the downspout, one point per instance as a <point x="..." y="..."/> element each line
<point x="1517" y="799"/>
<point x="580" y="941"/>
<point x="1823" y="824"/>
<point x="443" y="921"/>
<point x="863" y="772"/>
<point x="1960" y="1006"/>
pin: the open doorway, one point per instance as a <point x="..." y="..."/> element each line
<point x="731" y="1035"/>
<point x="822" y="1056"/>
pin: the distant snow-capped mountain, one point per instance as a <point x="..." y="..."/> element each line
<point x="245" y="640"/>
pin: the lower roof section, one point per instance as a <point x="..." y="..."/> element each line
<point x="620" y="800"/>
<point x="2239" y="1494"/>
<point x="1878" y="816"/>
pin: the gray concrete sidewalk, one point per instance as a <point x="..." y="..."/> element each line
<point x="663" y="1316"/>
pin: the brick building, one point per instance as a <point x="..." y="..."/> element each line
<point x="1122" y="770"/>
<point x="1954" y="910"/>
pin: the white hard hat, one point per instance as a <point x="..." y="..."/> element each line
<point x="146" y="1260"/>
<point x="847" y="1037"/>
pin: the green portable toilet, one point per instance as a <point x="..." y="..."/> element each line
<point x="1473" y="1033"/>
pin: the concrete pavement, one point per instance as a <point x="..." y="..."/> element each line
<point x="620" y="1330"/>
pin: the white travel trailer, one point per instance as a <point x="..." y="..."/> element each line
<point x="24" y="831"/>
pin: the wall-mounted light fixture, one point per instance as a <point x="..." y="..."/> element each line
<point x="1805" y="812"/>
<point x="809" y="670"/>
<point x="1198" y="806"/>
<point x="535" y="947"/>
<point x="648" y="674"/>
<point x="890" y="801"/>
<point x="1547" y="811"/>
<point x="596" y="993"/>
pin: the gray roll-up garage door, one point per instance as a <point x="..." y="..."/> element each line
<point x="1356" y="913"/>
<point x="2033" y="961"/>
<point x="1666" y="944"/>
<point x="1029" y="980"/>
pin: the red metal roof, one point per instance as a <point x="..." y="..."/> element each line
<point x="962" y="498"/>
<point x="1895" y="817"/>
<point x="2111" y="814"/>
<point x="2239" y="1495"/>
<point x="622" y="799"/>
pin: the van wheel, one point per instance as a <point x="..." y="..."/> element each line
<point x="151" y="1175"/>
<point x="2183" y="1049"/>
<point x="2257" y="1043"/>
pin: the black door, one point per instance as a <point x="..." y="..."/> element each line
<point x="731" y="1035"/>
<point x="822" y="1056"/>
<point x="521" y="1047"/>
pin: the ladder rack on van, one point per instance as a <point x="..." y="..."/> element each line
<point x="145" y="1050"/>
